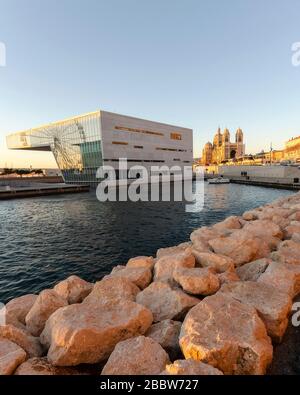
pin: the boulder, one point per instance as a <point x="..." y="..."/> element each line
<point x="228" y="335"/>
<point x="228" y="276"/>
<point x="190" y="367"/>
<point x="282" y="277"/>
<point x="172" y="250"/>
<point x="291" y="229"/>
<point x="263" y="228"/>
<point x="11" y="356"/>
<point x="42" y="367"/>
<point x="204" y="234"/>
<point x="18" y="308"/>
<point x="232" y="222"/>
<point x="87" y="333"/>
<point x="197" y="281"/>
<point x="166" y="333"/>
<point x="272" y="305"/>
<point x="220" y="263"/>
<point x="241" y="247"/>
<point x="140" y="276"/>
<point x="138" y="356"/>
<point x="295" y="216"/>
<point x="253" y="270"/>
<point x="141" y="261"/>
<point x="165" y="266"/>
<point x="46" y="304"/>
<point x="296" y="237"/>
<point x="288" y="252"/>
<point x="251" y="215"/>
<point x="165" y="302"/>
<point x="112" y="288"/>
<point x="73" y="289"/>
<point x="31" y="345"/>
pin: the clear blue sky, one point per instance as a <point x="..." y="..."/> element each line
<point x="196" y="63"/>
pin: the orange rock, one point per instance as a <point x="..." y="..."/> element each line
<point x="272" y="305"/>
<point x="88" y="333"/>
<point x="42" y="367"/>
<point x="220" y="263"/>
<point x="197" y="281"/>
<point x="190" y="367"/>
<point x="165" y="302"/>
<point x="140" y="276"/>
<point x="11" y="356"/>
<point x="228" y="335"/>
<point x="138" y="356"/>
<point x="18" y="308"/>
<point x="112" y="288"/>
<point x="46" y="304"/>
<point x="141" y="261"/>
<point x="165" y="266"/>
<point x="73" y="289"/>
<point x="166" y="333"/>
<point x="31" y="345"/>
<point x="253" y="270"/>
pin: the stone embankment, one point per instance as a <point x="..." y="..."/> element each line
<point x="211" y="306"/>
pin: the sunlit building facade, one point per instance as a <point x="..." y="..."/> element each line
<point x="82" y="144"/>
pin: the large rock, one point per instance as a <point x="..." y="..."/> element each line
<point x="232" y="222"/>
<point x="241" y="247"/>
<point x="264" y="229"/>
<point x="220" y="263"/>
<point x="88" y="332"/>
<point x="228" y="335"/>
<point x="283" y="277"/>
<point x="18" y="308"/>
<point x="251" y="215"/>
<point x="165" y="302"/>
<point x="42" y="367"/>
<point x="227" y="277"/>
<point x="165" y="266"/>
<point x="197" y="281"/>
<point x="112" y="288"/>
<point x="19" y="336"/>
<point x="289" y="230"/>
<point x="205" y="234"/>
<point x="73" y="289"/>
<point x="46" y="304"/>
<point x="288" y="252"/>
<point x="140" y="276"/>
<point x="141" y="261"/>
<point x="272" y="305"/>
<point x="11" y="356"/>
<point x="190" y="367"/>
<point x="138" y="356"/>
<point x="253" y="270"/>
<point x="166" y="333"/>
<point x="173" y="250"/>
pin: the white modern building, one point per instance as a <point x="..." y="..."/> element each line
<point x="82" y="144"/>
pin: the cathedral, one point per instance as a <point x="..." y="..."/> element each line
<point x="222" y="149"/>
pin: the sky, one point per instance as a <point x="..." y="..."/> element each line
<point x="194" y="63"/>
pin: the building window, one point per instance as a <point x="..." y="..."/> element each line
<point x="138" y="130"/>
<point x="166" y="149"/>
<point x="176" y="136"/>
<point x="138" y="146"/>
<point x="176" y="160"/>
<point x="119" y="143"/>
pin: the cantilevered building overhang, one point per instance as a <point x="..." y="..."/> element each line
<point x="82" y="144"/>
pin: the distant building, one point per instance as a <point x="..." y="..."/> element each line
<point x="222" y="150"/>
<point x="292" y="149"/>
<point x="82" y="144"/>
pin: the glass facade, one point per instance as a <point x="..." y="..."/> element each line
<point x="75" y="143"/>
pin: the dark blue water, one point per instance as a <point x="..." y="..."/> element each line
<point x="44" y="240"/>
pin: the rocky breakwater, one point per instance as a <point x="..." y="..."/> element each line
<point x="215" y="305"/>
